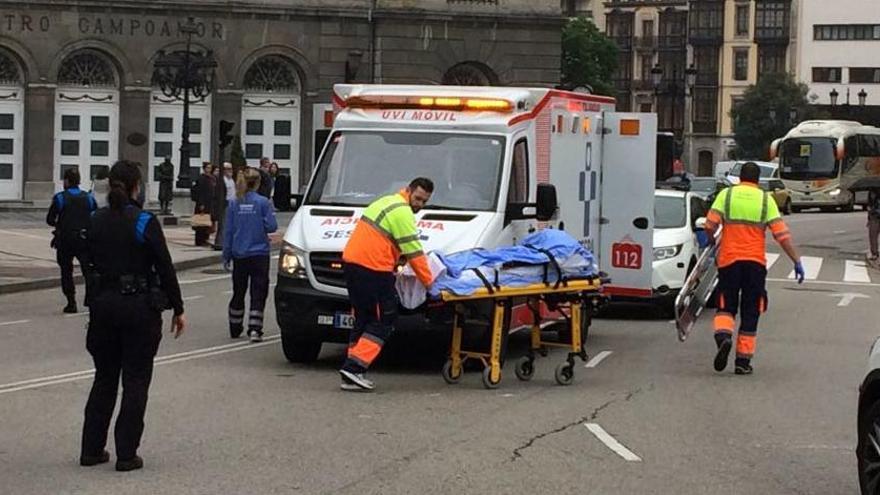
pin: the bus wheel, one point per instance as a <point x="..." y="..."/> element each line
<point x="851" y="206"/>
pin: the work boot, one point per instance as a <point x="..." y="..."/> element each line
<point x="743" y="367"/>
<point x="71" y="305"/>
<point x="723" y="353"/>
<point x="873" y="262"/>
<point x="355" y="382"/>
<point x="255" y="336"/>
<point x="235" y="331"/>
<point x="129" y="464"/>
<point x="94" y="460"/>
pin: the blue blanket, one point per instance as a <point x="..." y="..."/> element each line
<point x="516" y="266"/>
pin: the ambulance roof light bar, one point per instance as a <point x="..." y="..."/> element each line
<point x="430" y="103"/>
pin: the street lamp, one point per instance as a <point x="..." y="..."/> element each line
<point x="181" y="74"/>
<point x="691" y="77"/>
<point x="863" y="97"/>
<point x="792" y="116"/>
<point x="833" y="94"/>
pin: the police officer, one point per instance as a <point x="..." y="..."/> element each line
<point x="131" y="281"/>
<point x="69" y="214"/>
<point x="746" y="212"/>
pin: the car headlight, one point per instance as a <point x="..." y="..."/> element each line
<point x="292" y="263"/>
<point x="664" y="253"/>
<point x="835" y="192"/>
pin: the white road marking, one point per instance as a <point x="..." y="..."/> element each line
<point x="192" y="298"/>
<point x="847" y="298"/>
<point x="200" y="280"/>
<point x="16" y="322"/>
<point x="598" y="358"/>
<point x="812" y="265"/>
<point x="76" y="315"/>
<point x="838" y="232"/>
<point x="825" y="282"/>
<point x="771" y="259"/>
<point x="856" y="271"/>
<point x="21" y="234"/>
<point x="508" y="395"/>
<point x="169" y="359"/>
<point x="612" y="443"/>
<point x="228" y="292"/>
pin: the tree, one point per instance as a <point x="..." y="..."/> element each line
<point x="236" y="155"/>
<point x="765" y="114"/>
<point x="588" y="57"/>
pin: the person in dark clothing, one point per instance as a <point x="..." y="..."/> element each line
<point x="265" y="189"/>
<point x="204" y="201"/>
<point x="132" y="280"/>
<point x="222" y="194"/>
<point x="69" y="214"/>
<point x="249" y="221"/>
<point x="165" y="176"/>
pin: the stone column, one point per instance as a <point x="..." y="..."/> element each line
<point x="134" y="128"/>
<point x="39" y="142"/>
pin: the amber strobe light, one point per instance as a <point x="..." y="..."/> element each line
<point x="431" y="102"/>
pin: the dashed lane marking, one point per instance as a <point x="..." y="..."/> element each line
<point x="771" y="259"/>
<point x="612" y="443"/>
<point x="598" y="358"/>
<point x="200" y="280"/>
<point x="16" y="322"/>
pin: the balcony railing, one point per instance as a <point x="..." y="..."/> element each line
<point x="772" y="34"/>
<point x="706" y="36"/>
<point x="672" y="42"/>
<point x="646" y="43"/>
<point x="705" y="127"/>
<point x="643" y="85"/>
<point x="624" y="43"/>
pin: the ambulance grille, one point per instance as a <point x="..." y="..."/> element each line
<point x="327" y="267"/>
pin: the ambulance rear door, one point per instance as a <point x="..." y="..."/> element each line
<point x="626" y="228"/>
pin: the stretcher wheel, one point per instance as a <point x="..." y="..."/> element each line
<point x="564" y="373"/>
<point x="525" y="368"/>
<point x="448" y="377"/>
<point x="487" y="378"/>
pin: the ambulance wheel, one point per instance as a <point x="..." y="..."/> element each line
<point x="525" y="368"/>
<point x="300" y="351"/>
<point x="564" y="373"/>
<point x="448" y="377"/>
<point x="487" y="378"/>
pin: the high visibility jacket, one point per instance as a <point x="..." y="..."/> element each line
<point x="385" y="232"/>
<point x="746" y="212"/>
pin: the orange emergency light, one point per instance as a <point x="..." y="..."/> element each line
<point x="430" y="102"/>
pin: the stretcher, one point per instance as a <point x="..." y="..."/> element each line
<point x="574" y="299"/>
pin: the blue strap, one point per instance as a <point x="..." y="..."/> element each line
<point x="59" y="200"/>
<point x="141" y="226"/>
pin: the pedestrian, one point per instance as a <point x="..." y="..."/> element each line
<point x="873" y="260"/>
<point x="165" y="176"/>
<point x="746" y="212"/>
<point x="101" y="187"/>
<point x="265" y="179"/>
<point x="249" y="221"/>
<point x="385" y="232"/>
<point x="224" y="194"/>
<point x="204" y="202"/>
<point x="69" y="213"/>
<point x="132" y="280"/>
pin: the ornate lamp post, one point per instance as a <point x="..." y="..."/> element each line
<point x="181" y="75"/>
<point x="863" y="97"/>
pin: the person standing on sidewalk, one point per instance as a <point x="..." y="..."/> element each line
<point x="224" y="194"/>
<point x="132" y="280"/>
<point x="265" y="189"/>
<point x="873" y="258"/>
<point x="204" y="201"/>
<point x="385" y="232"/>
<point x="746" y="212"/>
<point x="249" y="221"/>
<point x="69" y="214"/>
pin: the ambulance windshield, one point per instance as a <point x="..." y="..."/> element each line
<point x="361" y="166"/>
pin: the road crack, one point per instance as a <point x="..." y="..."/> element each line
<point x="517" y="452"/>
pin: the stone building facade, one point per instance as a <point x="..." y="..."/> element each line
<point x="76" y="77"/>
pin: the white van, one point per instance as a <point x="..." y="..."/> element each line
<point x="504" y="161"/>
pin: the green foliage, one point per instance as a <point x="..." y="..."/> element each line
<point x="236" y="155"/>
<point x="588" y="57"/>
<point x="754" y="129"/>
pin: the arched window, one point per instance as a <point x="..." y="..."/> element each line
<point x="272" y="74"/>
<point x="9" y="70"/>
<point x="470" y="74"/>
<point x="87" y="68"/>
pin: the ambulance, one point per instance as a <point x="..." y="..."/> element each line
<point x="504" y="161"/>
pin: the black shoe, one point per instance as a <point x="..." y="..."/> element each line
<point x="723" y="353"/>
<point x="94" y="460"/>
<point x="70" y="308"/>
<point x="743" y="369"/>
<point x="129" y="465"/>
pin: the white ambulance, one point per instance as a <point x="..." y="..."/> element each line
<point x="504" y="161"/>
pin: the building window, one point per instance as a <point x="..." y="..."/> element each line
<point x="740" y="64"/>
<point x="867" y="75"/>
<point x="282" y="128"/>
<point x="771" y="60"/>
<point x="272" y="74"/>
<point x="469" y="74"/>
<point x="743" y="12"/>
<point x="87" y="68"/>
<point x="772" y="20"/>
<point x="254" y="127"/>
<point x="619" y="28"/>
<point x="706" y="63"/>
<point x="161" y="149"/>
<point x="7" y="121"/>
<point x="846" y="32"/>
<point x="7" y="146"/>
<point x="100" y="123"/>
<point x="9" y="73"/>
<point x="70" y="123"/>
<point x="518" y="189"/>
<point x="705" y="109"/>
<point x="164" y="125"/>
<point x="673" y="29"/>
<point x="706" y="21"/>
<point x="735" y="103"/>
<point x="281" y="152"/>
<point x="6" y="171"/>
<point x="827" y="74"/>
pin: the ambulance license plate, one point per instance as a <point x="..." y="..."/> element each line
<point x="343" y="320"/>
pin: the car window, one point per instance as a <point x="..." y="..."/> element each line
<point x="669" y="212"/>
<point x="699" y="208"/>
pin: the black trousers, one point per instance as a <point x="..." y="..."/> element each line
<point x="123" y="337"/>
<point x="254" y="271"/>
<point x="64" y="255"/>
<point x="741" y="289"/>
<point x="374" y="299"/>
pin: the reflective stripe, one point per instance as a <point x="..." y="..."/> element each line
<point x="764" y="208"/>
<point x="409" y="238"/>
<point x="236" y="312"/>
<point x="365" y="351"/>
<point x="416" y="254"/>
<point x="254" y="312"/>
<point x="141" y="227"/>
<point x="747" y="223"/>
<point x="727" y="203"/>
<point x="379" y="229"/>
<point x="236" y="320"/>
<point x="724" y="322"/>
<point x="388" y="209"/>
<point x="745" y="346"/>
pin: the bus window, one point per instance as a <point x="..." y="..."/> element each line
<point x="809" y="158"/>
<point x="852" y="153"/>
<point x="869" y="145"/>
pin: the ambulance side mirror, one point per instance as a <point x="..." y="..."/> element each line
<point x="547" y="203"/>
<point x="296" y="201"/>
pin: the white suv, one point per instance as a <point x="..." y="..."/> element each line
<point x="676" y="245"/>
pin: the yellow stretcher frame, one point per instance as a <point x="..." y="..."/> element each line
<point x="575" y="292"/>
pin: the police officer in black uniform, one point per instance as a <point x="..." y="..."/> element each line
<point x="69" y="214"/>
<point x="131" y="280"/>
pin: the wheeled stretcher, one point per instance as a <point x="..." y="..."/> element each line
<point x="574" y="299"/>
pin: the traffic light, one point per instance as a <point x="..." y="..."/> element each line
<point x="225" y="128"/>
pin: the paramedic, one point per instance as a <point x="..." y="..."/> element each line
<point x="746" y="212"/>
<point x="385" y="232"/>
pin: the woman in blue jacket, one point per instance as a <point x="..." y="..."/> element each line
<point x="249" y="221"/>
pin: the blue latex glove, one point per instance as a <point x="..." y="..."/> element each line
<point x="227" y="265"/>
<point x="799" y="272"/>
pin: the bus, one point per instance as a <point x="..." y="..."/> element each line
<point x="820" y="159"/>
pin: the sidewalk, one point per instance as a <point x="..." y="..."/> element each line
<point x="28" y="263"/>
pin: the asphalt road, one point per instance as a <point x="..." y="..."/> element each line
<point x="650" y="417"/>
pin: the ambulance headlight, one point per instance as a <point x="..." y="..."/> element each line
<point x="291" y="262"/>
<point x="835" y="192"/>
<point x="665" y="253"/>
